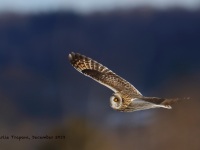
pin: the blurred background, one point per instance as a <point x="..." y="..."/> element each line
<point x="154" y="44"/>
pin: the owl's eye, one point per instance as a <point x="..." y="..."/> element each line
<point x="116" y="100"/>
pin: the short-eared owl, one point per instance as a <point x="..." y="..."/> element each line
<point x="126" y="97"/>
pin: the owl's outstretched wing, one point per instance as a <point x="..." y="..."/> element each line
<point x="143" y="103"/>
<point x="100" y="73"/>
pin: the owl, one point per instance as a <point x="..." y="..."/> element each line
<point x="126" y="98"/>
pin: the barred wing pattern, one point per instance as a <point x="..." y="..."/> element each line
<point x="101" y="74"/>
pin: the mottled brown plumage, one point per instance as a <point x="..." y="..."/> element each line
<point x="129" y="98"/>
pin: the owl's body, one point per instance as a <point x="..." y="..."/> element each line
<point x="126" y="97"/>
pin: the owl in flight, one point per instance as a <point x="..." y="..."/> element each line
<point x="126" y="97"/>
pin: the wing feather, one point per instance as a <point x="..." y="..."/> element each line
<point x="160" y="101"/>
<point x="100" y="73"/>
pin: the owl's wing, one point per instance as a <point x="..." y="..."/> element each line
<point x="161" y="101"/>
<point x="100" y="73"/>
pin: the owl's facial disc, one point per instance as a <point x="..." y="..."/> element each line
<point x="116" y="101"/>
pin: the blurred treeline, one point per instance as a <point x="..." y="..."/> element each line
<point x="157" y="51"/>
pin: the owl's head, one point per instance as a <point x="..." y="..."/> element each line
<point x="116" y="101"/>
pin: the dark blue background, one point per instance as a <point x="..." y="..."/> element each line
<point x="41" y="93"/>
